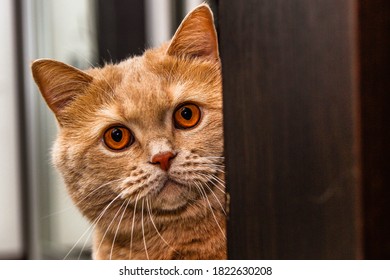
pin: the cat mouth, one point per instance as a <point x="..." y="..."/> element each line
<point x="171" y="188"/>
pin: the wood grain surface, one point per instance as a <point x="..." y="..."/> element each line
<point x="292" y="125"/>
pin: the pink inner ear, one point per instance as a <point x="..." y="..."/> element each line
<point x="210" y="47"/>
<point x="64" y="95"/>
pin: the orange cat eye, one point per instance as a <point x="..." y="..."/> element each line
<point x="118" y="138"/>
<point x="186" y="116"/>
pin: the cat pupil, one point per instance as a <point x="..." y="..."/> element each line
<point x="186" y="113"/>
<point x="116" y="135"/>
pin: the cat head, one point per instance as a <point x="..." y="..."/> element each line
<point x="146" y="131"/>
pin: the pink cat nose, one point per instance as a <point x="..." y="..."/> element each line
<point x="163" y="159"/>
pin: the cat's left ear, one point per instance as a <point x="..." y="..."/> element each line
<point x="196" y="36"/>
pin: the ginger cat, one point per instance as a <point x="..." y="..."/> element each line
<point x="140" y="146"/>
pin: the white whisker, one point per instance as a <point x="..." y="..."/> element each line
<point x="107" y="229"/>
<point x="92" y="225"/>
<point x="212" y="212"/>
<point x="117" y="228"/>
<point x="96" y="189"/>
<point x="217" y="181"/>
<point x="75" y="204"/>
<point x="155" y="227"/>
<point x="211" y="178"/>
<point x="143" y="229"/>
<point x="219" y="202"/>
<point x="132" y="227"/>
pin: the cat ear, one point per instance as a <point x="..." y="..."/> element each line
<point x="196" y="36"/>
<point x="59" y="83"/>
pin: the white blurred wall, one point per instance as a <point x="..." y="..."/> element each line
<point x="159" y="19"/>
<point x="65" y="30"/>
<point x="189" y="5"/>
<point x="10" y="197"/>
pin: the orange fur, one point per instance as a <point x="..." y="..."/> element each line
<point x="141" y="211"/>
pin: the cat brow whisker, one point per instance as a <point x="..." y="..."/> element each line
<point x="143" y="229"/>
<point x="117" y="228"/>
<point x="132" y="226"/>
<point x="211" y="209"/>
<point x="92" y="225"/>
<point x="108" y="228"/>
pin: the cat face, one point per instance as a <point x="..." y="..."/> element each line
<point x="160" y="158"/>
<point x="144" y="133"/>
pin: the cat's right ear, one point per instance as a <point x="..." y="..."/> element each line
<point x="59" y="83"/>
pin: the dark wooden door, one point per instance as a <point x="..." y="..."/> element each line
<point x="293" y="141"/>
<point x="374" y="34"/>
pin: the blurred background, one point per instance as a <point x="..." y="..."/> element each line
<point x="37" y="219"/>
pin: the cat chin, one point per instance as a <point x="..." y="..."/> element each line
<point x="171" y="197"/>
